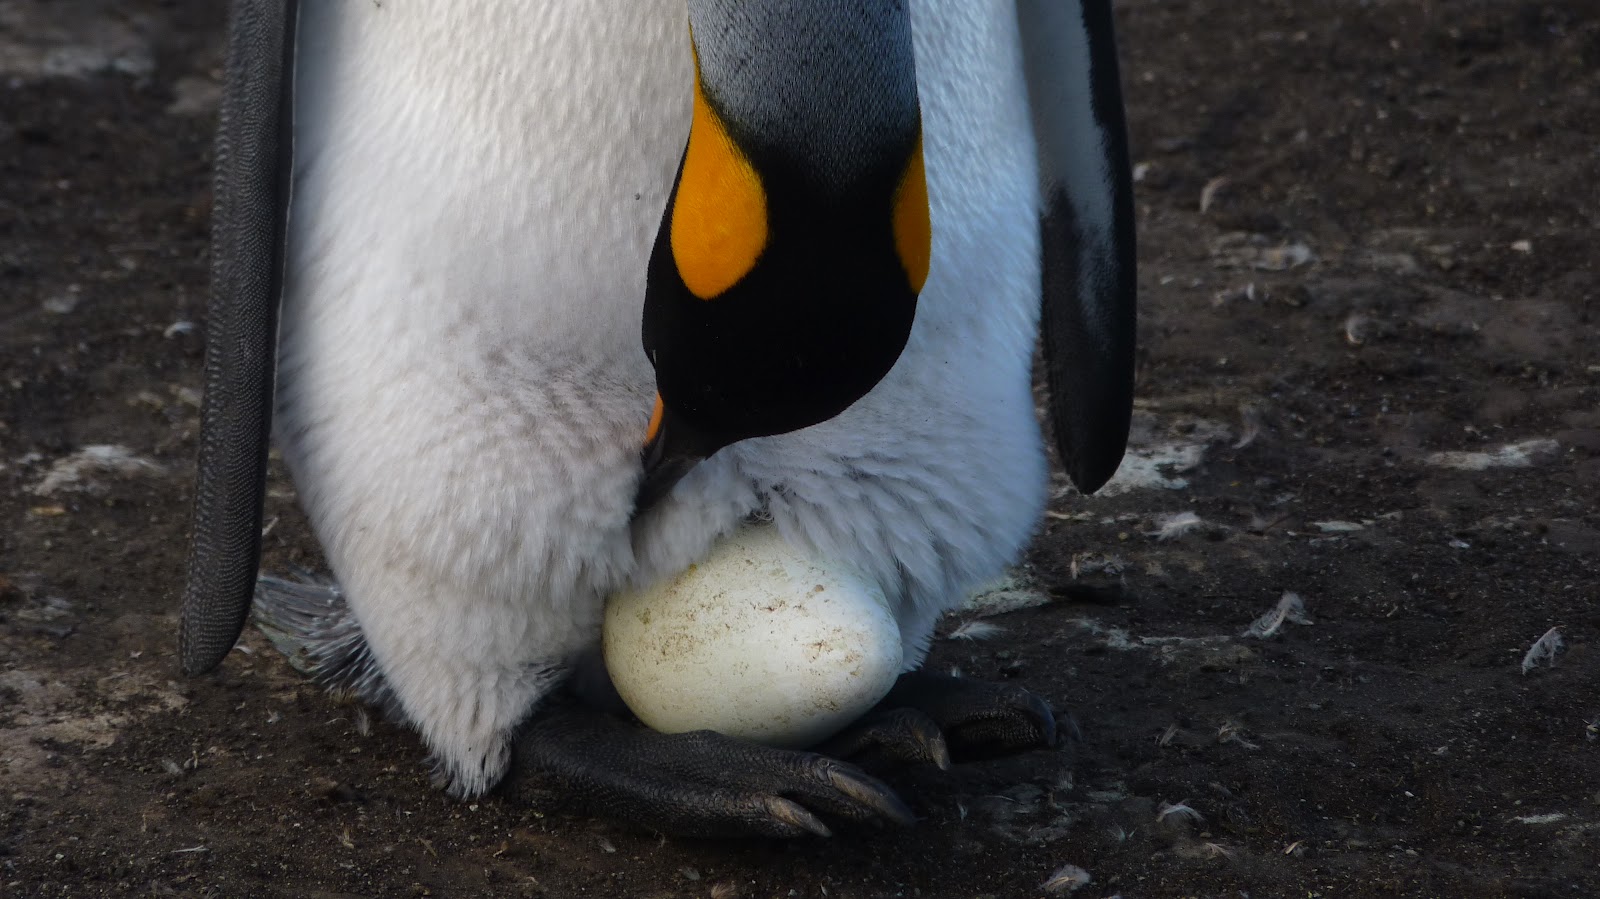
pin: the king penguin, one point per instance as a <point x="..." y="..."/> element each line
<point x="441" y="228"/>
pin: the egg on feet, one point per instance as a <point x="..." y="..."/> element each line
<point x="759" y="640"/>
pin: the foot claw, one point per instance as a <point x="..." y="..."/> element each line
<point x="795" y="815"/>
<point x="872" y="794"/>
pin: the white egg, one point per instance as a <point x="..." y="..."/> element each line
<point x="759" y="641"/>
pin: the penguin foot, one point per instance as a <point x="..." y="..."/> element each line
<point x="892" y="736"/>
<point x="936" y="718"/>
<point x="698" y="784"/>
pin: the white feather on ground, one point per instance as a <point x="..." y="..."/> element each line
<point x="1289" y="608"/>
<point x="1547" y="818"/>
<point x="1013" y="592"/>
<point x="1513" y="455"/>
<point x="1179" y="811"/>
<point x="1067" y="879"/>
<point x="75" y="472"/>
<point x="976" y="630"/>
<point x="1178" y="524"/>
<point x="1544" y="650"/>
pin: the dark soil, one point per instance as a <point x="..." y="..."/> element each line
<point x="1369" y="237"/>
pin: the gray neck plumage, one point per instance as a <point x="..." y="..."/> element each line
<point x="832" y="82"/>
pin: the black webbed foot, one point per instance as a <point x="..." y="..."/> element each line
<point x="699" y="784"/>
<point x="936" y="718"/>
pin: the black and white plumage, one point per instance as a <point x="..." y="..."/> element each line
<point x="473" y="190"/>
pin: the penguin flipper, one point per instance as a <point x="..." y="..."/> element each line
<point x="249" y="216"/>
<point x="1070" y="62"/>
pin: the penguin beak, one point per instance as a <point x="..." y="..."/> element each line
<point x="672" y="447"/>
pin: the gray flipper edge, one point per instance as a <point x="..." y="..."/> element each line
<point x="249" y="215"/>
<point x="1089" y="278"/>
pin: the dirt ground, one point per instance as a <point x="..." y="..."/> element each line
<point x="1369" y="376"/>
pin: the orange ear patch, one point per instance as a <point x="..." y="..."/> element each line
<point x="719" y="219"/>
<point x="913" y="232"/>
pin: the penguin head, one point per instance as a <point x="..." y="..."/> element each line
<point x="783" y="281"/>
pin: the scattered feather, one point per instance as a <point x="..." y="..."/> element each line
<point x="976" y="629"/>
<point x="1525" y="454"/>
<point x="1160" y="449"/>
<point x="1209" y="193"/>
<point x="1097" y="563"/>
<point x="1240" y="249"/>
<point x="75" y="472"/>
<point x="1287" y="256"/>
<point x="1247" y="293"/>
<point x="1337" y="527"/>
<point x="727" y="889"/>
<point x="1250" y="415"/>
<point x="1549" y="818"/>
<point x="62" y="305"/>
<point x="1231" y="732"/>
<point x="1178" y="524"/>
<point x="1168" y="735"/>
<point x="195" y="96"/>
<point x="1356" y="329"/>
<point x="1067" y="879"/>
<point x="148" y="400"/>
<point x="1544" y="650"/>
<point x="188" y="396"/>
<point x="1111" y="637"/>
<point x="1179" y="810"/>
<point x="1393" y="263"/>
<point x="1289" y="608"/>
<point x="1217" y="850"/>
<point x="190" y="849"/>
<point x="1012" y="592"/>
<point x="1293" y="848"/>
